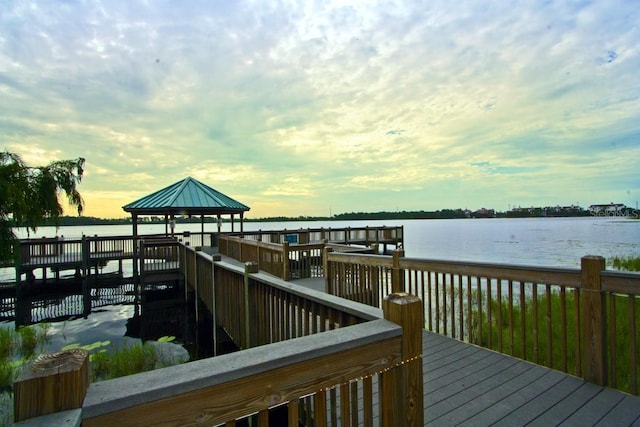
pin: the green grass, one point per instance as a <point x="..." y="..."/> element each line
<point x="537" y="335"/>
<point x="626" y="263"/>
<point x="18" y="347"/>
<point x="107" y="363"/>
<point x="543" y="337"/>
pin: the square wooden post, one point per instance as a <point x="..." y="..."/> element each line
<point x="594" y="321"/>
<point x="52" y="383"/>
<point x="397" y="277"/>
<point x="401" y="388"/>
<point x="285" y="261"/>
<point x="326" y="270"/>
<point x="249" y="268"/>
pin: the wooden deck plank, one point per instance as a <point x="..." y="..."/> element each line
<point x="471" y="390"/>
<point x="466" y="384"/>
<point x="564" y="408"/>
<point x="595" y="409"/>
<point x="529" y="411"/>
<point x="627" y="412"/>
<point x="447" y="374"/>
<point x="508" y="407"/>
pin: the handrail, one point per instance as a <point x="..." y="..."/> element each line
<point x="236" y="385"/>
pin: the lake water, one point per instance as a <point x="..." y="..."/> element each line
<point x="556" y="242"/>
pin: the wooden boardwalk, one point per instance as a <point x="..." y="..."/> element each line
<point x="465" y="384"/>
<point x="468" y="385"/>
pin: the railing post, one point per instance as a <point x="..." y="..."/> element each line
<point x="285" y="261"/>
<point x="326" y="270"/>
<point x="52" y="383"/>
<point x="214" y="308"/>
<point x="594" y="321"/>
<point x="397" y="278"/>
<point x="249" y="268"/>
<point x="401" y="388"/>
<point x="196" y="285"/>
<point x="86" y="271"/>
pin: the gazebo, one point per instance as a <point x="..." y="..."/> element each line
<point x="186" y="197"/>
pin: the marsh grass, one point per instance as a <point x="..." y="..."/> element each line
<point x="107" y="363"/>
<point x="539" y="336"/>
<point x="16" y="349"/>
<point x="626" y="263"/>
<point x="124" y="361"/>
<point x="19" y="347"/>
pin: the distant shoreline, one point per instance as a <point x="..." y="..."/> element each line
<point x="357" y="216"/>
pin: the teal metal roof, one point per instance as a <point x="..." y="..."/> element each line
<point x="186" y="197"/>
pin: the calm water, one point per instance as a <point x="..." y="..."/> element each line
<point x="558" y="242"/>
<point x="529" y="241"/>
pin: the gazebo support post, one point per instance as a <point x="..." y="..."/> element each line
<point x="134" y="221"/>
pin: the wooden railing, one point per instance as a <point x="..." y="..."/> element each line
<point x="580" y="321"/>
<point x="158" y="254"/>
<point x="284" y="260"/>
<point x="346" y="235"/>
<point x="316" y="356"/>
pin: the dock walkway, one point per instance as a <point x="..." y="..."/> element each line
<point x="468" y="385"/>
<point x="465" y="384"/>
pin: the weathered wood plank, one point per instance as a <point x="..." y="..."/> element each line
<point x="565" y="407"/>
<point x="517" y="395"/>
<point x="476" y="386"/>
<point x="541" y="403"/>
<point x="445" y="374"/>
<point x="626" y="412"/>
<point x="473" y="390"/>
<point x="595" y="409"/>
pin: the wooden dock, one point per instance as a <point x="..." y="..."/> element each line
<point x="465" y="384"/>
<point x="468" y="385"/>
<point x="462" y="383"/>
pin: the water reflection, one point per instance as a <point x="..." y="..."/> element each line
<point x="118" y="315"/>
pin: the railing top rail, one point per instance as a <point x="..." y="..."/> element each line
<point x="363" y="311"/>
<point x="366" y="227"/>
<point x="239" y="239"/>
<point x="621" y="281"/>
<point x="368" y="259"/>
<point x="61" y="239"/>
<point x="369" y="347"/>
<point x="44" y="240"/>
<point x="551" y="275"/>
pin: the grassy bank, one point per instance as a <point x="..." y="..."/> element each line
<point x="19" y="347"/>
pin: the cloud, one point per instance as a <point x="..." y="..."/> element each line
<point x="357" y="100"/>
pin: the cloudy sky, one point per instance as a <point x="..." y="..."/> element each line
<point x="311" y="108"/>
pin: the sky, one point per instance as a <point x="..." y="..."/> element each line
<point x="313" y="108"/>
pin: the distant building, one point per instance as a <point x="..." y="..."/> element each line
<point x="611" y="209"/>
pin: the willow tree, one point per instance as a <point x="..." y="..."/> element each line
<point x="29" y="195"/>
